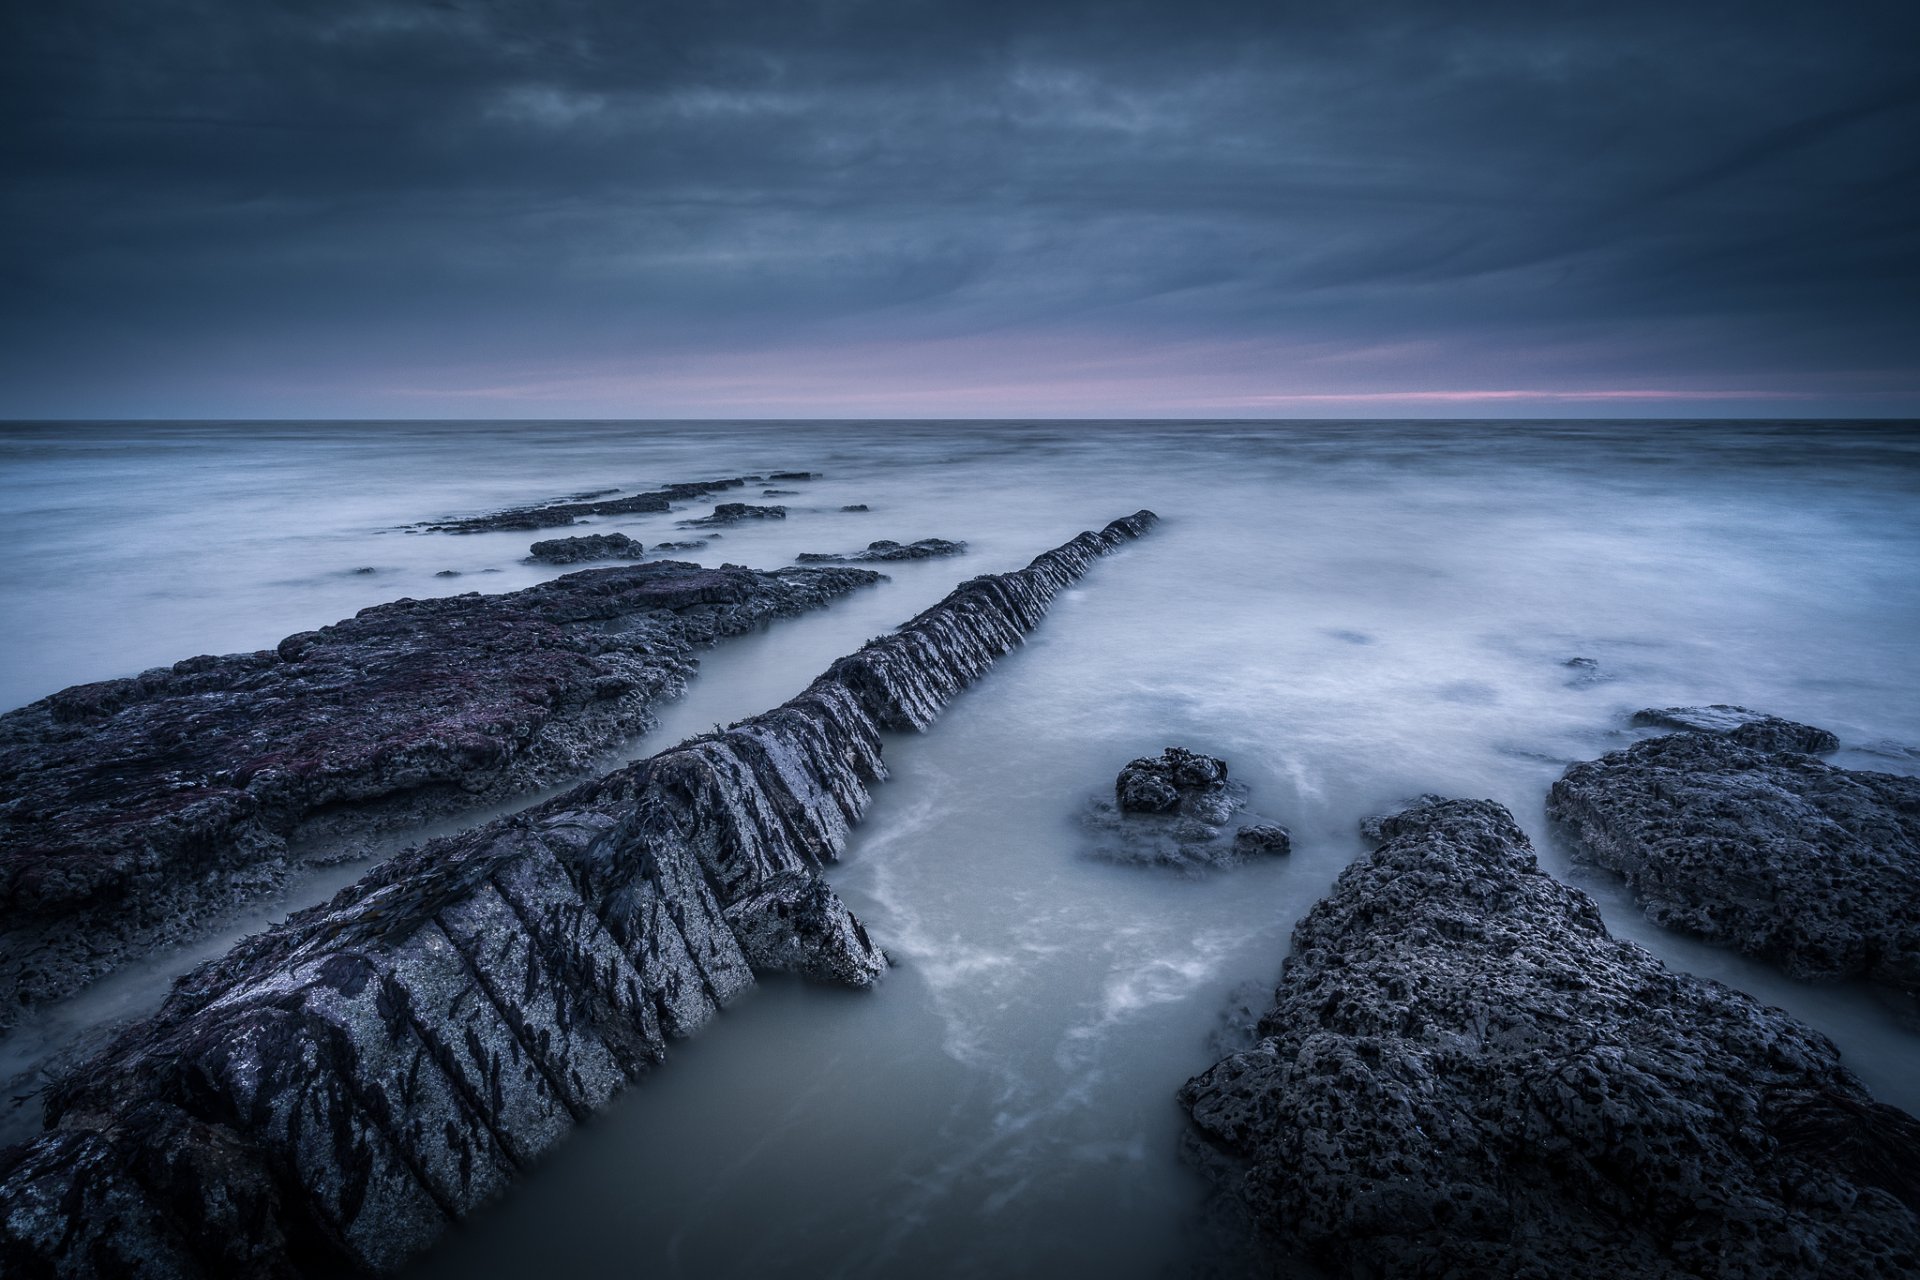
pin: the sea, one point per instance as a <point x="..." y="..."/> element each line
<point x="1349" y="613"/>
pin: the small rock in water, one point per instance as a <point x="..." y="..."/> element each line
<point x="794" y="475"/>
<point x="1750" y="728"/>
<point x="1173" y="809"/>
<point x="447" y="573"/>
<point x="885" y="549"/>
<point x="734" y="513"/>
<point x="596" y="546"/>
<point x="366" y="568"/>
<point x="795" y="923"/>
<point x="1583" y="671"/>
<point x="779" y="493"/>
<point x="855" y="506"/>
<point x="691" y="544"/>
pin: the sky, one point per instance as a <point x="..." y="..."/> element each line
<point x="576" y="208"/>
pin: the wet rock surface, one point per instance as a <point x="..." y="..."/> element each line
<point x="566" y="511"/>
<point x="332" y="1094"/>
<point x="137" y="811"/>
<point x="1174" y="810"/>
<point x="884" y="549"/>
<point x="1734" y="834"/>
<point x="727" y="513"/>
<point x="1462" y="1074"/>
<point x="597" y="546"/>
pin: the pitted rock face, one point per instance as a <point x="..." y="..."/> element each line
<point x="1158" y="784"/>
<point x="1754" y="729"/>
<point x="598" y="546"/>
<point x="1462" y="1074"/>
<point x="733" y="513"/>
<point x="1736" y="835"/>
<point x="795" y="923"/>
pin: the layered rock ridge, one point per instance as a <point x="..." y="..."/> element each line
<point x="137" y="811"/>
<point x="1463" y="1074"/>
<point x="333" y="1093"/>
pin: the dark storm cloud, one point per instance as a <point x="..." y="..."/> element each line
<point x="342" y="205"/>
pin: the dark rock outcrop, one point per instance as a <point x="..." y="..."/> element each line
<point x="549" y="515"/>
<point x="1736" y="835"/>
<point x="333" y="1093"/>
<point x="1172" y="810"/>
<point x="733" y="513"/>
<point x="855" y="506"/>
<point x="1462" y="1074"/>
<point x="595" y="546"/>
<point x="138" y="811"/>
<point x="884" y="549"/>
<point x="794" y="475"/>
<point x="1749" y="728"/>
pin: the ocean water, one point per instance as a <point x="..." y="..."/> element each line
<point x="1349" y="613"/>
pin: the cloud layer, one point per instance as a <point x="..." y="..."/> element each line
<point x="959" y="209"/>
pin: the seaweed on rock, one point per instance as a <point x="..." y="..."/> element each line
<point x="333" y="1093"/>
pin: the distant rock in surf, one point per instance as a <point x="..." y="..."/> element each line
<point x="331" y="1095"/>
<point x="779" y="493"/>
<point x="794" y="475"/>
<point x="596" y="546"/>
<point x="733" y="513"/>
<point x="1731" y="832"/>
<point x="856" y="506"/>
<point x="1462" y="1074"/>
<point x="548" y="515"/>
<point x="139" y="810"/>
<point x="691" y="544"/>
<point x="886" y="550"/>
<point x="1173" y="810"/>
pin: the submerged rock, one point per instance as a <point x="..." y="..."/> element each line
<point x="596" y="546"/>
<point x="779" y="493"/>
<point x="1462" y="1074"/>
<point x="734" y="513"/>
<point x="548" y="515"/>
<point x="1752" y="728"/>
<point x="330" y="1095"/>
<point x="1733" y="834"/>
<point x="886" y="550"/>
<point x="138" y="811"/>
<point x="855" y="506"/>
<point x="1173" y="809"/>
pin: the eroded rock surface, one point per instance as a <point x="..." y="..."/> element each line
<point x="1462" y="1075"/>
<point x="884" y="549"/>
<point x="733" y="513"/>
<point x="548" y="515"/>
<point x="137" y="811"/>
<point x="1174" y="810"/>
<point x="331" y="1094"/>
<point x="1731" y="832"/>
<point x="596" y="546"/>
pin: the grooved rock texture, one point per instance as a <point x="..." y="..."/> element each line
<point x="136" y="811"/>
<point x="1463" y="1075"/>
<point x="334" y="1092"/>
<point x="1737" y="836"/>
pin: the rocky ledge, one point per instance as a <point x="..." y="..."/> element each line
<point x="1731" y="832"/>
<point x="333" y="1093"/>
<point x="884" y="549"/>
<point x="138" y="811"/>
<point x="1462" y="1074"/>
<point x="596" y="546"/>
<point x="564" y="511"/>
<point x="1173" y="810"/>
<point x="727" y="513"/>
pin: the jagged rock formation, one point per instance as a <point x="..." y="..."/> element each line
<point x="137" y="811"/>
<point x="549" y="515"/>
<point x="597" y="546"/>
<point x="1732" y="833"/>
<point x="733" y="513"/>
<point x="1462" y="1074"/>
<point x="333" y="1093"/>
<point x="1172" y="810"/>
<point x="885" y="549"/>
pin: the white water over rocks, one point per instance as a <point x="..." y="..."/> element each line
<point x="1349" y="614"/>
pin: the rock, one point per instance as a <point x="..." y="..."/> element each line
<point x="1172" y="810"/>
<point x="597" y="546"/>
<point x="734" y="513"/>
<point x="139" y="811"/>
<point x="1752" y="728"/>
<point x="1583" y="672"/>
<point x="856" y="506"/>
<point x="1735" y="835"/>
<point x="1462" y="1074"/>
<point x="366" y="569"/>
<point x="566" y="511"/>
<point x="779" y="493"/>
<point x="447" y="573"/>
<point x="795" y="923"/>
<point x="1263" y="838"/>
<point x="692" y="544"/>
<point x="331" y="1095"/>
<point x="885" y="550"/>
<point x="794" y="475"/>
